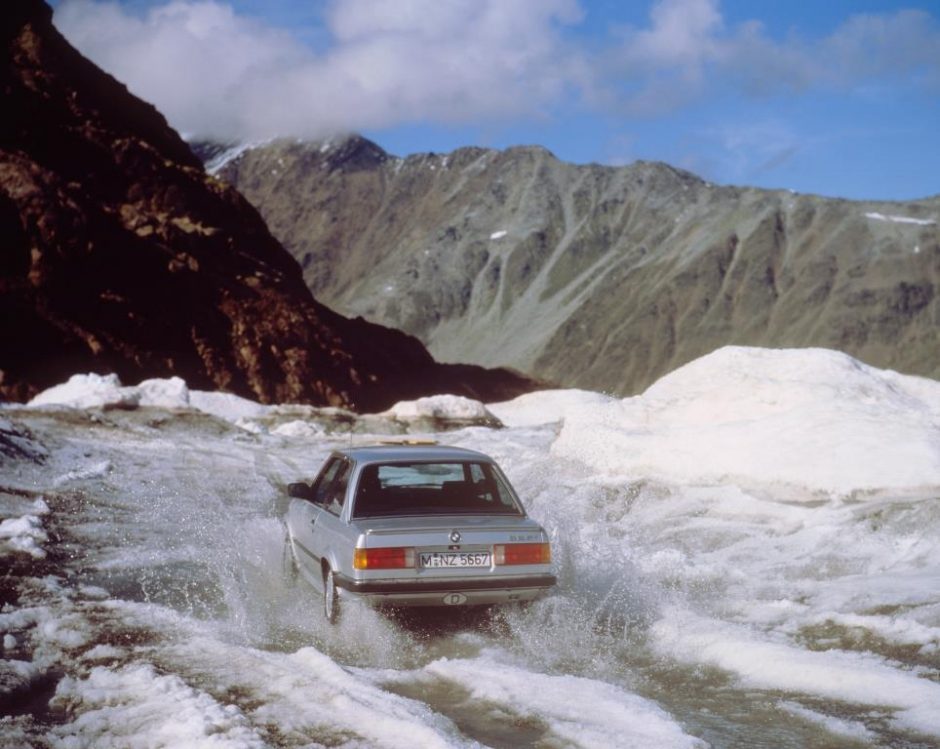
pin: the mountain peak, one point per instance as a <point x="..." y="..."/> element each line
<point x="353" y="153"/>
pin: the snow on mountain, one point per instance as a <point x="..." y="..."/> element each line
<point x="875" y="216"/>
<point x="217" y="156"/>
<point x="746" y="556"/>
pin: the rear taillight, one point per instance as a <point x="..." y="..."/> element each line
<point x="390" y="558"/>
<point x="522" y="554"/>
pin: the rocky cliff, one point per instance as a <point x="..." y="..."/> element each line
<point x="120" y="254"/>
<point x="590" y="276"/>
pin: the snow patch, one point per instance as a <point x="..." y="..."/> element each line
<point x="226" y="406"/>
<point x="299" y="430"/>
<point x="443" y="407"/>
<point x="216" y="164"/>
<point x="900" y="219"/>
<point x="94" y="471"/>
<point x="158" y="393"/>
<point x="25" y="534"/>
<point x="837" y="726"/>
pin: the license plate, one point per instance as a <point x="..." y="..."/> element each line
<point x="455" y="559"/>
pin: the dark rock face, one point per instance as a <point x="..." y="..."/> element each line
<point x="596" y="277"/>
<point x="119" y="254"/>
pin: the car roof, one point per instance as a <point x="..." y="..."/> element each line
<point x="410" y="452"/>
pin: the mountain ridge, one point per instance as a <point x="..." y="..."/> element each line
<point x="590" y="276"/>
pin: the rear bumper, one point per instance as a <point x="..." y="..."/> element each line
<point x="443" y="592"/>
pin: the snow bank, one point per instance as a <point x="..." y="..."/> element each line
<point x="546" y="406"/>
<point x="442" y="407"/>
<point x="89" y="391"/>
<point x="171" y="393"/>
<point x="808" y="418"/>
<point x="85" y="391"/>
<point x="106" y="391"/>
<point x="226" y="406"/>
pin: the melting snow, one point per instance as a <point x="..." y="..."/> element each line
<point x="616" y="718"/>
<point x="746" y="552"/>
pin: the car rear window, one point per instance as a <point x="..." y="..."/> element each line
<point x="425" y="488"/>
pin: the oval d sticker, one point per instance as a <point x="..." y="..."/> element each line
<point x="454" y="599"/>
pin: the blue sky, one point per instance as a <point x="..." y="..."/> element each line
<point x="835" y="98"/>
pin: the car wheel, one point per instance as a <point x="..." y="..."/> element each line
<point x="330" y="597"/>
<point x="289" y="560"/>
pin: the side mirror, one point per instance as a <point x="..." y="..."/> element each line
<point x="300" y="490"/>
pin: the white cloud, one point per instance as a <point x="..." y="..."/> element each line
<point x="874" y="45"/>
<point x="682" y="33"/>
<point x="689" y="50"/>
<point x="392" y="61"/>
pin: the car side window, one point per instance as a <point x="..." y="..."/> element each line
<point x="336" y="494"/>
<point x="321" y="487"/>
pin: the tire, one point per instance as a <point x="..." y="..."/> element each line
<point x="331" y="607"/>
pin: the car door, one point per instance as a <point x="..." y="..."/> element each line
<point x="313" y="521"/>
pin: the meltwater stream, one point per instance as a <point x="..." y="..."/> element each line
<point x="145" y="604"/>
